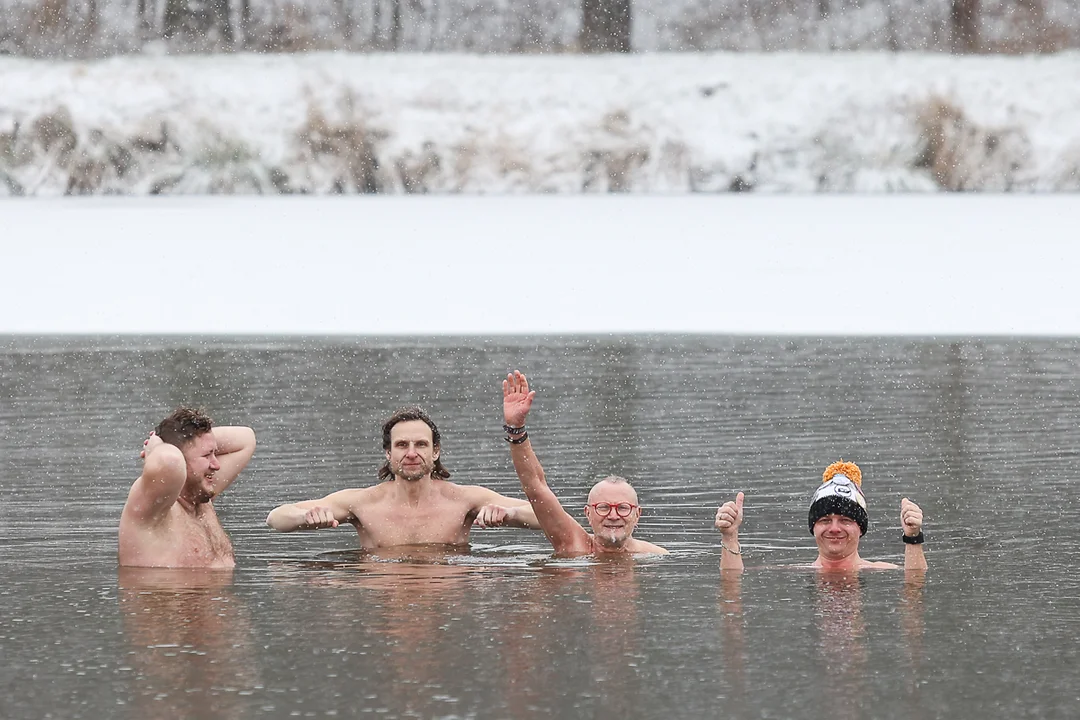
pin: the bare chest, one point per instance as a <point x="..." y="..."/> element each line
<point x="183" y="540"/>
<point x="386" y="525"/>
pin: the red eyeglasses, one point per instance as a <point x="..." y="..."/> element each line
<point x="604" y="509"/>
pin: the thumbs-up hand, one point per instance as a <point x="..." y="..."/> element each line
<point x="729" y="517"/>
<point x="910" y="517"/>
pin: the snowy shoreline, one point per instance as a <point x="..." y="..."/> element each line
<point x="661" y="123"/>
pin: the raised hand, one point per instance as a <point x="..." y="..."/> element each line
<point x="150" y="444"/>
<point x="493" y="516"/>
<point x="320" y="517"/>
<point x="517" y="399"/>
<point x="910" y="517"/>
<point x="729" y="516"/>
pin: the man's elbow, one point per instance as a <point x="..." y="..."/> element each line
<point x="276" y="520"/>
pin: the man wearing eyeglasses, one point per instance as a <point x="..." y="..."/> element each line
<point x="612" y="511"/>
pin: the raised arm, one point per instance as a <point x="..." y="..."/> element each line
<point x="562" y="530"/>
<point x="729" y="517"/>
<point x="163" y="476"/>
<point x="235" y="446"/>
<point x="911" y="520"/>
<point x="327" y="512"/>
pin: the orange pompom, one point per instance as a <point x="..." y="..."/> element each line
<point x="848" y="469"/>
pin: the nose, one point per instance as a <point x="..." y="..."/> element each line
<point x="214" y="464"/>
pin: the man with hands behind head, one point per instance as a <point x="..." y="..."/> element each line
<point x="169" y="518"/>
<point x="612" y="509"/>
<point x="838" y="519"/>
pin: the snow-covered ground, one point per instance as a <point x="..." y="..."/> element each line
<point x="898" y="264"/>
<point x="652" y="123"/>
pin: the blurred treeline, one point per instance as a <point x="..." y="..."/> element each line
<point x="99" y="28"/>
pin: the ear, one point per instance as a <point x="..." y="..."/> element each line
<point x="435" y="453"/>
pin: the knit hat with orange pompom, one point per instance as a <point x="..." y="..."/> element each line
<point x="840" y="494"/>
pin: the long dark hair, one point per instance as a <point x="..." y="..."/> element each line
<point x="406" y="415"/>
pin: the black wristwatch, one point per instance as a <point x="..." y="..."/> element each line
<point x="914" y="539"/>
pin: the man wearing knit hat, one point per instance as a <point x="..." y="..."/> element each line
<point x="837" y="519"/>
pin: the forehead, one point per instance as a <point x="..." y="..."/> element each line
<point x="204" y="443"/>
<point x="410" y="430"/>
<point x="612" y="493"/>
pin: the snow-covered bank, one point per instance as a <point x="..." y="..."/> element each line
<point x="911" y="264"/>
<point x="325" y="123"/>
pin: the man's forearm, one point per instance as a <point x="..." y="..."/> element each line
<point x="523" y="516"/>
<point x="287" y="518"/>
<point x="234" y="438"/>
<point x="914" y="557"/>
<point x="528" y="469"/>
<point x="730" y="553"/>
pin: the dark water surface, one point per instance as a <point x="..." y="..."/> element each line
<point x="982" y="433"/>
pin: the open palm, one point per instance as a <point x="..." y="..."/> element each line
<point x="517" y="399"/>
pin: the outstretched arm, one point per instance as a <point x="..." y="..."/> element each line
<point x="328" y="512"/>
<point x="729" y="517"/>
<point x="495" y="510"/>
<point x="911" y="520"/>
<point x="235" y="446"/>
<point x="562" y="530"/>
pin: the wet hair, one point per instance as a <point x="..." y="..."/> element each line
<point x="183" y="425"/>
<point x="407" y="415"/>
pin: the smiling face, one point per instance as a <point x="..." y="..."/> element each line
<point x="200" y="454"/>
<point x="412" y="454"/>
<point x="611" y="530"/>
<point x="837" y="537"/>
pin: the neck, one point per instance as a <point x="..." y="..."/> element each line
<point x="190" y="504"/>
<point x="602" y="546"/>
<point x="412" y="490"/>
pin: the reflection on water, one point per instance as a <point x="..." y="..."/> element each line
<point x="190" y="642"/>
<point x="981" y="432"/>
<point x="842" y="639"/>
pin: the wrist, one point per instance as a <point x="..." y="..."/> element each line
<point x="730" y="545"/>
<point x="916" y="539"/>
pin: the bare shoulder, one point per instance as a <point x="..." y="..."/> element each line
<point x="642" y="547"/>
<point x="880" y="565"/>
<point x="475" y="494"/>
<point x="350" y="496"/>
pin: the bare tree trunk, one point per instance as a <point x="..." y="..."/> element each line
<point x="376" y="24"/>
<point x="346" y="20"/>
<point x="964" y="20"/>
<point x="174" y="20"/>
<point x="219" y="16"/>
<point x="144" y="23"/>
<point x="395" y="24"/>
<point x="245" y="22"/>
<point x="90" y="29"/>
<point x="605" y="26"/>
